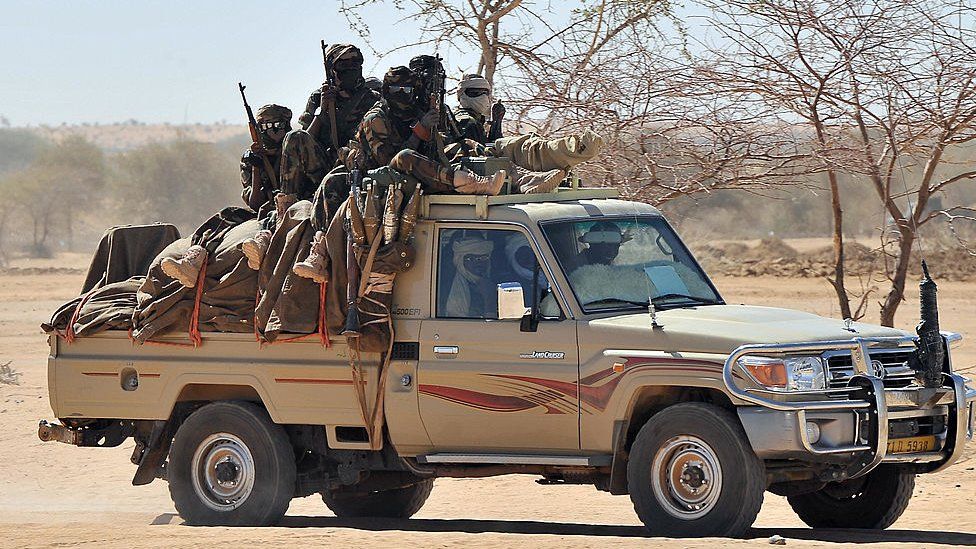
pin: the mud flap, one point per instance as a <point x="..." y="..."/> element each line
<point x="150" y="457"/>
<point x="618" y="467"/>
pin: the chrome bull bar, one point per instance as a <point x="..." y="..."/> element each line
<point x="873" y="402"/>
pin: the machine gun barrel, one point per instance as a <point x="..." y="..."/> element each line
<point x="930" y="351"/>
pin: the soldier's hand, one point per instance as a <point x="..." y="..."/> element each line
<point x="327" y="96"/>
<point x="498" y="110"/>
<point x="252" y="157"/>
<point x="430" y="118"/>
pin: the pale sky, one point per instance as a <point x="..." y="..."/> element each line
<point x="176" y="60"/>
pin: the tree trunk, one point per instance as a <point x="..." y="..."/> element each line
<point x="897" y="292"/>
<point x="838" y="233"/>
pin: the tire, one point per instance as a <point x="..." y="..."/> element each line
<point x="692" y="473"/>
<point x="873" y="501"/>
<point x="396" y="503"/>
<point x="252" y="477"/>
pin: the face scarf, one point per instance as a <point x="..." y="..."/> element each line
<point x="480" y="104"/>
<point x="459" y="297"/>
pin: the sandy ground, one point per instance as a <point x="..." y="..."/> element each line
<point x="55" y="495"/>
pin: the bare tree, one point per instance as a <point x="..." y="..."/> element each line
<point x="886" y="88"/>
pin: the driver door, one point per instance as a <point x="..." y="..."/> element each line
<point x="483" y="384"/>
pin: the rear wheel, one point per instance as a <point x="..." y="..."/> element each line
<point x="692" y="473"/>
<point x="395" y="503"/>
<point x="875" y="501"/>
<point x="231" y="465"/>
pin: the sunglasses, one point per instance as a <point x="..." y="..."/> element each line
<point x="476" y="92"/>
<point x="475" y="259"/>
<point x="401" y="89"/>
<point x="268" y="126"/>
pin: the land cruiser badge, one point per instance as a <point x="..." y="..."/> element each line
<point x="545" y="355"/>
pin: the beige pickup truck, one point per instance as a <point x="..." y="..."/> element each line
<point x="571" y="336"/>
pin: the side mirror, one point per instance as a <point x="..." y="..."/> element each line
<point x="511" y="301"/>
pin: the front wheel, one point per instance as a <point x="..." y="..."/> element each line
<point x="230" y="465"/>
<point x="396" y="503"/>
<point x="692" y="473"/>
<point x="874" y="501"/>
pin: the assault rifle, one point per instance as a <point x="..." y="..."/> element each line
<point x="436" y="77"/>
<point x="330" y="80"/>
<point x="252" y="126"/>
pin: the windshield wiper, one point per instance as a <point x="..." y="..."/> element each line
<point x="616" y="300"/>
<point x="696" y="299"/>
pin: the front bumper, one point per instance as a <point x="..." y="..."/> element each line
<point x="853" y="422"/>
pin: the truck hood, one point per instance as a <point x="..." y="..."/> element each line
<point x="721" y="328"/>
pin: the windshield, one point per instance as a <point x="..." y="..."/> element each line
<point x="624" y="262"/>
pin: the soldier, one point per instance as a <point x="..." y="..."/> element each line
<point x="392" y="135"/>
<point x="474" y="100"/>
<point x="274" y="122"/>
<point x="309" y="153"/>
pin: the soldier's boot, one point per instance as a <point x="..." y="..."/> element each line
<point x="467" y="182"/>
<point x="187" y="268"/>
<point x="316" y="264"/>
<point x="282" y="203"/>
<point x="255" y="247"/>
<point x="529" y="182"/>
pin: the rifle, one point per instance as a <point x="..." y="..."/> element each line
<point x="330" y="80"/>
<point x="252" y="126"/>
<point x="438" y="77"/>
<point x="352" y="327"/>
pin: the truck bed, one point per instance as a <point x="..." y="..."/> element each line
<point x="300" y="382"/>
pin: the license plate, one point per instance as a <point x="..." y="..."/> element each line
<point x="911" y="445"/>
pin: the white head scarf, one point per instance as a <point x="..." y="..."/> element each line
<point x="480" y="104"/>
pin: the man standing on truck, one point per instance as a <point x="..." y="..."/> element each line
<point x="309" y="153"/>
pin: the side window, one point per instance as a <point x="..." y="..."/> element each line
<point x="473" y="262"/>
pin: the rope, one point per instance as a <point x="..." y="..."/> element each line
<point x="194" y="330"/>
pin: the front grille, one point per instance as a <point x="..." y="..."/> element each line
<point x="897" y="371"/>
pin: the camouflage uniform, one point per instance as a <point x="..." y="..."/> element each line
<point x="307" y="158"/>
<point x="383" y="140"/>
<point x="247" y="168"/>
<point x="251" y="160"/>
<point x="303" y="164"/>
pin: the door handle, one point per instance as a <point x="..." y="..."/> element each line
<point x="446" y="351"/>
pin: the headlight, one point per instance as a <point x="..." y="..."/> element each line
<point x="802" y="373"/>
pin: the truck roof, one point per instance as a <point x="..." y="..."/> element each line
<point x="532" y="208"/>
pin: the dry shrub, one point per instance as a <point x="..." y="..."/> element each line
<point x="9" y="376"/>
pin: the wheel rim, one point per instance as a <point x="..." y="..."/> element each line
<point x="686" y="477"/>
<point x="223" y="472"/>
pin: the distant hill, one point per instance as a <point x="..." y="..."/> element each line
<point x="128" y="135"/>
